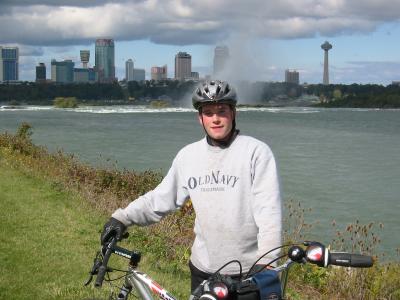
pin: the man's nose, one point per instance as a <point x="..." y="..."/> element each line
<point x="215" y="118"/>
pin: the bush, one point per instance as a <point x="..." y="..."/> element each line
<point x="65" y="102"/>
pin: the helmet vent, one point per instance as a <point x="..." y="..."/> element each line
<point x="218" y="90"/>
<point x="214" y="92"/>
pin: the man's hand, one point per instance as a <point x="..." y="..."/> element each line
<point x="113" y="228"/>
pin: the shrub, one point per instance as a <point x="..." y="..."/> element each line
<point x="65" y="102"/>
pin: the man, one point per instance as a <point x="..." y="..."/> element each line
<point x="232" y="182"/>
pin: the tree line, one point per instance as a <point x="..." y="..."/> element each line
<point x="172" y="91"/>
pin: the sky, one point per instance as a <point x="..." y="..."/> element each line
<point x="264" y="37"/>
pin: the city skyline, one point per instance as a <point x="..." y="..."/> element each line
<point x="263" y="42"/>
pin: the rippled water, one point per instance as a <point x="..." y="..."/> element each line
<point x="342" y="163"/>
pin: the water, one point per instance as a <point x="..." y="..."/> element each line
<point x="342" y="163"/>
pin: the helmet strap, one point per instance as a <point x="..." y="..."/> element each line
<point x="227" y="141"/>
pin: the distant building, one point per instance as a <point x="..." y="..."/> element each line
<point x="9" y="66"/>
<point x="159" y="73"/>
<point x="105" y="60"/>
<point x="82" y="75"/>
<point x="85" y="55"/>
<point x="41" y="73"/>
<point x="139" y="74"/>
<point x="221" y="56"/>
<point x="129" y="70"/>
<point x="292" y="76"/>
<point x="183" y="66"/>
<point x="194" y="76"/>
<point x="62" y="71"/>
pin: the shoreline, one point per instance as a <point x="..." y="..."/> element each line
<point x="148" y="108"/>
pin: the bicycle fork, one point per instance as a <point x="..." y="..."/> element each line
<point x="134" y="283"/>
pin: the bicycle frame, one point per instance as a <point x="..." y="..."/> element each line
<point x="144" y="285"/>
<point x="147" y="287"/>
<point x="315" y="253"/>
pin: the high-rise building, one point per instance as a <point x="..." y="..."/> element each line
<point x="105" y="60"/>
<point x="82" y="75"/>
<point x="292" y="76"/>
<point x="159" y="73"/>
<point x="9" y="57"/>
<point x="326" y="47"/>
<point x="41" y="73"/>
<point x="129" y="70"/>
<point x="62" y="71"/>
<point x="85" y="55"/>
<point x="139" y="74"/>
<point x="183" y="66"/>
<point x="221" y="56"/>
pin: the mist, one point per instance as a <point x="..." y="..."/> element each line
<point x="244" y="67"/>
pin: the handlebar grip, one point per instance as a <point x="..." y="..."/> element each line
<point x="109" y="248"/>
<point x="100" y="276"/>
<point x="350" y="260"/>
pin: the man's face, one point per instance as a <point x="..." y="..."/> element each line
<point x="217" y="119"/>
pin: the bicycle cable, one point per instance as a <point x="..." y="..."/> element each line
<point x="268" y="252"/>
<point x="228" y="263"/>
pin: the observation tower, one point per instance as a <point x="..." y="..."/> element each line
<point x="85" y="54"/>
<point x="326" y="47"/>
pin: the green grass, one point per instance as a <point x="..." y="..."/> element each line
<point x="48" y="239"/>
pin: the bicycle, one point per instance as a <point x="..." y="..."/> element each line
<point x="254" y="285"/>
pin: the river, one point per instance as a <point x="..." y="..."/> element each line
<point x="344" y="164"/>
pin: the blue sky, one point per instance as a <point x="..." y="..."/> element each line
<point x="264" y="37"/>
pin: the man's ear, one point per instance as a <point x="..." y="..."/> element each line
<point x="200" y="117"/>
<point x="234" y="113"/>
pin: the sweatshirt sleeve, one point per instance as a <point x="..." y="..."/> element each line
<point x="267" y="207"/>
<point x="168" y="196"/>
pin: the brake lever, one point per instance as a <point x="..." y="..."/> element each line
<point x="95" y="268"/>
<point x="89" y="280"/>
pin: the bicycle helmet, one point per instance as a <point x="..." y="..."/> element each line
<point x="214" y="91"/>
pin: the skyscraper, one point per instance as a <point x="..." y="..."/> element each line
<point x="84" y="75"/>
<point x="183" y="66"/>
<point x="105" y="60"/>
<point x="129" y="70"/>
<point x="9" y="57"/>
<point x="41" y="72"/>
<point x="139" y="74"/>
<point x="159" y="73"/>
<point x="292" y="76"/>
<point x="62" y="71"/>
<point x="221" y="56"/>
<point x="326" y="47"/>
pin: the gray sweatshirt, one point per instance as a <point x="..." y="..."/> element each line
<point x="236" y="197"/>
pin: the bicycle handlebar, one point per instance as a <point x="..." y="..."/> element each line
<point x="350" y="260"/>
<point x="103" y="267"/>
<point x="317" y="253"/>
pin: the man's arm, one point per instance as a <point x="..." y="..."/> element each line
<point x="267" y="207"/>
<point x="152" y="206"/>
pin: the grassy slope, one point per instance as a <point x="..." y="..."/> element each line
<point x="47" y="239"/>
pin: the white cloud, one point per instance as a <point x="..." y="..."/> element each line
<point x="39" y="26"/>
<point x="186" y="22"/>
